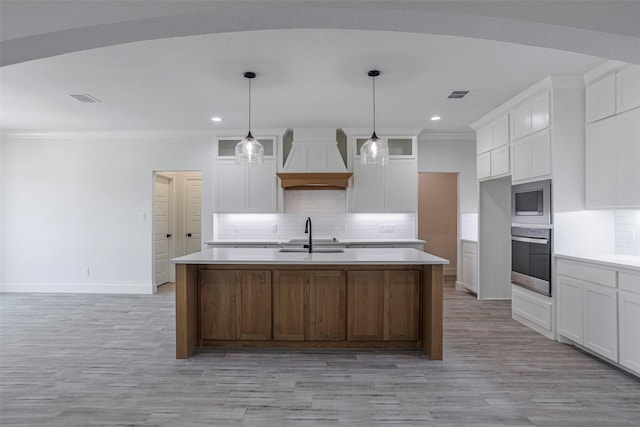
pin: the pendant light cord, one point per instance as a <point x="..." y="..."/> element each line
<point x="249" y="105"/>
<point x="374" y="103"/>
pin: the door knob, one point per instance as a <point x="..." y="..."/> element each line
<point x="168" y="235"/>
<point x="188" y="234"/>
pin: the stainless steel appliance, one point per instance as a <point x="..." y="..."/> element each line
<point x="531" y="259"/>
<point x="531" y="203"/>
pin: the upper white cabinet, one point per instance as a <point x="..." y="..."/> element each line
<point x="601" y="98"/>
<point x="530" y="117"/>
<point x="531" y="157"/>
<point x="244" y="188"/>
<point x="615" y="92"/>
<point x="628" y="88"/>
<point x="389" y="188"/>
<point x="612" y="156"/>
<point x="492" y="147"/>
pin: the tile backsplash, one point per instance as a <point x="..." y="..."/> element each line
<point x="628" y="232"/>
<point x="285" y="226"/>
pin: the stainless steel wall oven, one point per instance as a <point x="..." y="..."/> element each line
<point x="531" y="259"/>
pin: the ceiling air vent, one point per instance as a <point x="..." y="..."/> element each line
<point x="85" y="97"/>
<point x="458" y="94"/>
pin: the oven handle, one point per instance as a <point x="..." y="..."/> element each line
<point x="529" y="240"/>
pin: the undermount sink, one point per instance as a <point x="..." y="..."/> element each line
<point x="317" y="250"/>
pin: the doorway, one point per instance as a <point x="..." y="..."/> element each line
<point x="177" y="220"/>
<point x="438" y="216"/>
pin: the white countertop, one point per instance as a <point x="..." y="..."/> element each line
<point x="350" y="256"/>
<point x="608" y="260"/>
<point x="340" y="241"/>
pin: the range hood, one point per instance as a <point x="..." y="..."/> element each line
<point x="314" y="162"/>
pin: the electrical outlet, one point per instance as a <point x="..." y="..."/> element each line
<point x="343" y="228"/>
<point x="387" y="228"/>
<point x="143" y="217"/>
<point x="274" y="228"/>
<point x="236" y="229"/>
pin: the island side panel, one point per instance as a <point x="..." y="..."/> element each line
<point x="186" y="310"/>
<point x="432" y="288"/>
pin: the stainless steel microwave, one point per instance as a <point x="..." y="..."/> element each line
<point x="531" y="203"/>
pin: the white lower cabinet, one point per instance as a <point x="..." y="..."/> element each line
<point x="570" y="309"/>
<point x="470" y="266"/>
<point x="601" y="320"/>
<point x="629" y="320"/>
<point x="599" y="310"/>
<point x="587" y="307"/>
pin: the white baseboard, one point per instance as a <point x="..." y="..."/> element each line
<point x="450" y="271"/>
<point x="79" y="288"/>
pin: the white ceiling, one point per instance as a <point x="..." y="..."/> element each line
<point x="311" y="74"/>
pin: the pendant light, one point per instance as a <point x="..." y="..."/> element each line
<point x="375" y="151"/>
<point x="249" y="150"/>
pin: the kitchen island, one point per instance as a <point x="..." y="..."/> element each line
<point x="266" y="298"/>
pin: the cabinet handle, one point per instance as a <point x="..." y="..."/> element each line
<point x="188" y="234"/>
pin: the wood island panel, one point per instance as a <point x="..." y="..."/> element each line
<point x="253" y="304"/>
<point x="402" y="305"/>
<point x="365" y="314"/>
<point x="323" y="306"/>
<point x="290" y="305"/>
<point x="327" y="306"/>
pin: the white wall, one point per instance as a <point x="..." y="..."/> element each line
<point x="452" y="153"/>
<point x="76" y="201"/>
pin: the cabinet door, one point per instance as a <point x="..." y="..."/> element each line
<point x="483" y="165"/>
<point x="401" y="305"/>
<point x="217" y="304"/>
<point x="540" y="112"/>
<point x="365" y="311"/>
<point x="570" y="309"/>
<point x="368" y="188"/>
<point x="253" y="304"/>
<point x="327" y="306"/>
<point x="628" y="154"/>
<point x="484" y="139"/>
<point x="230" y="183"/>
<point x="629" y="319"/>
<point x="261" y="187"/>
<point x="290" y="305"/>
<point x="601" y="98"/>
<point x="540" y="146"/>
<point x="401" y="186"/>
<point x="469" y="270"/>
<point x="600" y="163"/>
<point x="601" y="320"/>
<point x="521" y="158"/>
<point x="500" y="161"/>
<point x="628" y="88"/>
<point x="521" y="121"/>
<point x="500" y="130"/>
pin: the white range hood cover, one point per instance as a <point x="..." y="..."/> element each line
<point x="314" y="150"/>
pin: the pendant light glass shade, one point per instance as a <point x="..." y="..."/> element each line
<point x="375" y="151"/>
<point x="249" y="150"/>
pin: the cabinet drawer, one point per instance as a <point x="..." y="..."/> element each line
<point x="587" y="272"/>
<point x="628" y="281"/>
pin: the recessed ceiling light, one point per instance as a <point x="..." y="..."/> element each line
<point x="435" y="118"/>
<point x="216" y="119"/>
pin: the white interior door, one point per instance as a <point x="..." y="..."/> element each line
<point x="193" y="216"/>
<point x="161" y="229"/>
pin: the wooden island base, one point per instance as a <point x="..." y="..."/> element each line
<point x="302" y="306"/>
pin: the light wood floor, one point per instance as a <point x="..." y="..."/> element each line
<point x="77" y="359"/>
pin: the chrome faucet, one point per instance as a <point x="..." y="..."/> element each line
<point x="307" y="230"/>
